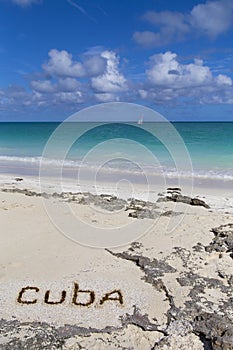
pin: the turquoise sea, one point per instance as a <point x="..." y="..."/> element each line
<point x="119" y="147"/>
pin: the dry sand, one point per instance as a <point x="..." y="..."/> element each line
<point x="170" y="288"/>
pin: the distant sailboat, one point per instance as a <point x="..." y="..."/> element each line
<point x="140" y="120"/>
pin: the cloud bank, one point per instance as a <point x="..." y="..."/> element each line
<point x="210" y="19"/>
<point x="98" y="77"/>
<point x="168" y="80"/>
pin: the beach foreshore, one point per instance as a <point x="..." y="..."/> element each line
<point x="168" y="285"/>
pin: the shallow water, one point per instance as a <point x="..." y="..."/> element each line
<point x="204" y="150"/>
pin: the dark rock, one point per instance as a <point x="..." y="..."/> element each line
<point x="200" y="202"/>
<point x="83" y="201"/>
<point x="18" y="179"/>
<point x="142" y="209"/>
<point x="213" y="329"/>
<point x="30" y="193"/>
<point x="109" y="203"/>
<point x="134" y="246"/>
<point x="230" y="281"/>
<point x="177" y="189"/>
<point x="222" y="274"/>
<point x="199" y="283"/>
<point x="43" y="194"/>
<point x="223" y="240"/>
<point x="152" y="268"/>
<point x="171" y="213"/>
<point x="174" y="197"/>
<point x="175" y="329"/>
<point x="40" y="336"/>
<point x="138" y="204"/>
<point x="144" y="214"/>
<point x="139" y="209"/>
<point x="216" y="328"/>
<point x="55" y="195"/>
<point x="198" y="247"/>
<point x="139" y="320"/>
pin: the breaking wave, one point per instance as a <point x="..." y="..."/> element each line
<point x="119" y="166"/>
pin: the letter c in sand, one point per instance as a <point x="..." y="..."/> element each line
<point x="23" y="290"/>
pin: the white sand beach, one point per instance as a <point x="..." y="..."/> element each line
<point x="157" y="292"/>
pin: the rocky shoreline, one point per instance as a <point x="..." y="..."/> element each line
<point x="201" y="318"/>
<point x="137" y="208"/>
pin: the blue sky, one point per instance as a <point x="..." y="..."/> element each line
<point x="59" y="56"/>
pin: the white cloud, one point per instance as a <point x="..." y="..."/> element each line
<point x="173" y="26"/>
<point x="94" y="65"/>
<point x="175" y="20"/>
<point x="68" y="97"/>
<point x="111" y="81"/>
<point x="68" y="84"/>
<point x="14" y="97"/>
<point x="25" y="2"/>
<point x="165" y="70"/>
<point x="62" y="85"/>
<point x="149" y="39"/>
<point x="64" y="90"/>
<point x="211" y="19"/>
<point x="55" y="98"/>
<point x="72" y="82"/>
<point x="106" y="97"/>
<point x="169" y="80"/>
<point x="224" y="80"/>
<point x="62" y="64"/>
<point x="165" y="80"/>
<point x="44" y="86"/>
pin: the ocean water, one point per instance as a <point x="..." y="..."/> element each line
<point x="202" y="150"/>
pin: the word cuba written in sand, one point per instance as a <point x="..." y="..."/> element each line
<point x="29" y="295"/>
